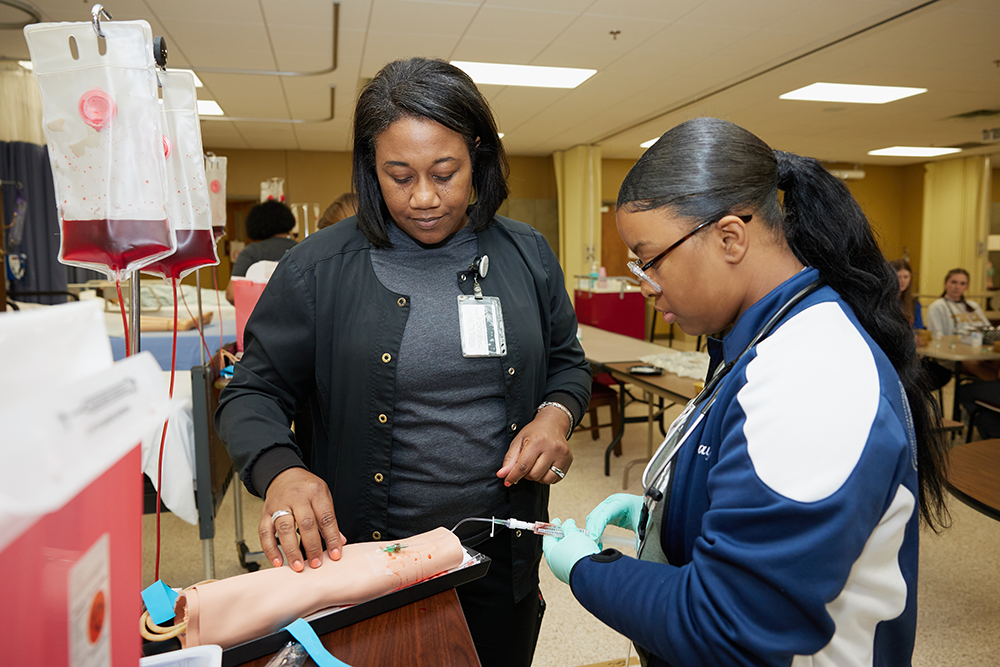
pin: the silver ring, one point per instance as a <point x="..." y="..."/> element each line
<point x="557" y="471"/>
<point x="279" y="513"/>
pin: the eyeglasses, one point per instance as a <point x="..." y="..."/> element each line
<point x="640" y="271"/>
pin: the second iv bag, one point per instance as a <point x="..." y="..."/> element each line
<point x="188" y="210"/>
<point x="100" y="116"/>
<point x="215" y="174"/>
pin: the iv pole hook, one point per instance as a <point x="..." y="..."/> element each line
<point x="96" y="12"/>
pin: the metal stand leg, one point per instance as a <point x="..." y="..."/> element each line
<point x="208" y="557"/>
<point x="249" y="560"/>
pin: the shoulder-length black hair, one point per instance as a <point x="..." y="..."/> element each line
<point x="438" y="91"/>
<point x="706" y="168"/>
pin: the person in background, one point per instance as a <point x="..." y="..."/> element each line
<point x="954" y="315"/>
<point x="937" y="374"/>
<point x="909" y="304"/>
<point x="781" y="516"/>
<point x="268" y="226"/>
<point x="423" y="415"/>
<point x="342" y="207"/>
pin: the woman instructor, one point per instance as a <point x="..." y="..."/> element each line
<point x="780" y="520"/>
<point x="443" y="385"/>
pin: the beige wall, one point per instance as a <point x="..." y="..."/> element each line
<point x="320" y="176"/>
<point x="532" y="177"/>
<point x="613" y="172"/>
<point x="892" y="198"/>
<point x="310" y="176"/>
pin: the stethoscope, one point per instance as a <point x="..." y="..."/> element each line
<point x="656" y="476"/>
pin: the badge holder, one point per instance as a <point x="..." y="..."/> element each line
<point x="481" y="318"/>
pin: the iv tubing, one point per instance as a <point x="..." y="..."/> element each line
<point x="121" y="303"/>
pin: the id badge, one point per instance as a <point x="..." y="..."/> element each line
<point x="481" y="323"/>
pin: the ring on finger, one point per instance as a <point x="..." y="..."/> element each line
<point x="279" y="513"/>
<point x="557" y="471"/>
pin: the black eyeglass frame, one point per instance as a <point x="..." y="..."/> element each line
<point x="648" y="265"/>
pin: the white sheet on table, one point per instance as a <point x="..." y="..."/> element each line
<point x="179" y="472"/>
<point x="684" y="364"/>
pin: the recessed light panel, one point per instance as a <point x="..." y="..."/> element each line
<point x="524" y="75"/>
<point x="26" y="64"/>
<point x="210" y="108"/>
<point x="914" y="151"/>
<point x="851" y="93"/>
<point x="647" y="144"/>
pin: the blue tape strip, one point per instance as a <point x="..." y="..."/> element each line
<point x="306" y="636"/>
<point x="159" y="599"/>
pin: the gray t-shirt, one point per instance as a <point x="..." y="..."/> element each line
<point x="449" y="435"/>
<point x="272" y="249"/>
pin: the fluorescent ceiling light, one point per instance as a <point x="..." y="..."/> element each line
<point x="210" y="108"/>
<point x="914" y="151"/>
<point x="851" y="93"/>
<point x="26" y="64"/>
<point x="500" y="134"/>
<point x="525" y="75"/>
<point x="647" y="144"/>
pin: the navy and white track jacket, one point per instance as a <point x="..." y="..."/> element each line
<point x="792" y="527"/>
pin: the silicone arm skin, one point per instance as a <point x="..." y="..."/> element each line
<point x="235" y="610"/>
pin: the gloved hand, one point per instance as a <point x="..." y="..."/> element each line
<point x="562" y="553"/>
<point x="619" y="509"/>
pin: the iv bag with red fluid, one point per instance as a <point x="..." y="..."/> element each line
<point x="215" y="174"/>
<point x="100" y="115"/>
<point x="188" y="209"/>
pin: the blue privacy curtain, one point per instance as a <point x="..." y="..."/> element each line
<point x="28" y="164"/>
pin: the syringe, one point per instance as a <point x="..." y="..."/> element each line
<point x="538" y="527"/>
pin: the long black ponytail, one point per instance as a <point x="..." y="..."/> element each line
<point x="708" y="167"/>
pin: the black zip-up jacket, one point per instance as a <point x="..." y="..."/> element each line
<point x="326" y="331"/>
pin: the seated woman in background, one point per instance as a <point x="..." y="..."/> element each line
<point x="936" y="373"/>
<point x="910" y="306"/>
<point x="268" y="227"/>
<point x="953" y="315"/>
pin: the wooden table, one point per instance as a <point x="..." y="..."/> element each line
<point x="604" y="348"/>
<point x="974" y="475"/>
<point x="953" y="350"/>
<point x="427" y="633"/>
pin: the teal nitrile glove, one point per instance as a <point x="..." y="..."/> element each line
<point x="618" y="509"/>
<point x="562" y="553"/>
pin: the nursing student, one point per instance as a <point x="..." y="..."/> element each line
<point x="953" y="315"/>
<point x="781" y="516"/>
<point x="425" y="413"/>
